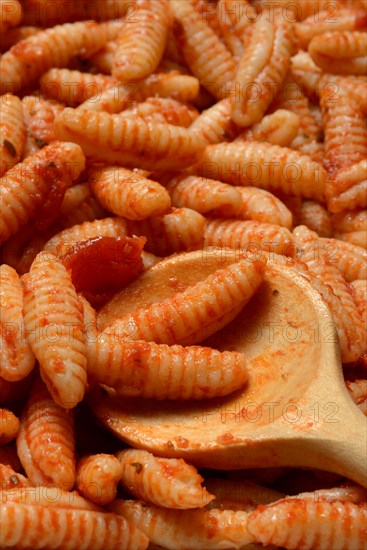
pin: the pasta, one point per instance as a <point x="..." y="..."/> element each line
<point x="163" y="110"/>
<point x="262" y="206"/>
<point x="197" y="38"/>
<point x="10" y="14"/>
<point x="204" y="195"/>
<point x="142" y="39"/>
<point x="264" y="64"/>
<point x="279" y="128"/>
<point x="171" y="84"/>
<point x="9" y="426"/>
<point x="73" y="528"/>
<point x="166" y="482"/>
<point x="184" y="325"/>
<point x="266" y="166"/>
<point x="73" y="87"/>
<point x="180" y="229"/>
<point x="272" y="524"/>
<point x="215" y="124"/>
<point x="249" y="236"/>
<point x="40" y="12"/>
<point x="26" y="191"/>
<point x="316" y="217"/>
<point x="97" y="477"/>
<point x="349" y="325"/>
<point x="11" y="479"/>
<point x="309" y="134"/>
<point x="47" y="449"/>
<point x="79" y="206"/>
<point x="180" y="529"/>
<point x="60" y="347"/>
<point x="53" y="48"/>
<point x="17" y="359"/>
<point x="358" y="392"/>
<point x="235" y="24"/>
<point x="347" y="20"/>
<point x="132" y="131"/>
<point x="45" y="495"/>
<point x="39" y="116"/>
<point x="127" y="193"/>
<point x="111" y="138"/>
<point x="150" y="370"/>
<point x="64" y="241"/>
<point x="12" y="132"/>
<point x="341" y="52"/>
<point x="347" y="190"/>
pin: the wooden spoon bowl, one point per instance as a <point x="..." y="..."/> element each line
<point x="294" y="410"/>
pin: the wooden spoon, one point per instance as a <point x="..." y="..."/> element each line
<point x="294" y="410"/>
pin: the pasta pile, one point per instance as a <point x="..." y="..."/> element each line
<point x="132" y="130"/>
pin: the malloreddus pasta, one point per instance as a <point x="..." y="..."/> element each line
<point x="131" y="131"/>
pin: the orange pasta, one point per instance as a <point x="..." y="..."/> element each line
<point x="342" y="115"/>
<point x="27" y="60"/>
<point x="288" y="523"/>
<point x="39" y="116"/>
<point x="181" y="319"/>
<point x="180" y="229"/>
<point x="66" y="240"/>
<point x="79" y="206"/>
<point x="340" y="52"/>
<point x="17" y="359"/>
<point x="278" y="128"/>
<point x="53" y="317"/>
<point x="10" y="480"/>
<point x="215" y="124"/>
<point x="47" y="449"/>
<point x="121" y="140"/>
<point x="12" y="132"/>
<point x="163" y="110"/>
<point x="351" y="260"/>
<point x="262" y="206"/>
<point x="73" y="87"/>
<point x="347" y="20"/>
<point x="127" y="193"/>
<point x="204" y="195"/>
<point x="249" y="236"/>
<point x="36" y="184"/>
<point x="47" y="495"/>
<point x="9" y="426"/>
<point x="113" y="99"/>
<point x="347" y="189"/>
<point x="261" y="70"/>
<point x="196" y="38"/>
<point x="266" y="166"/>
<point x="316" y="217"/>
<point x="141" y="42"/>
<point x="10" y="14"/>
<point x="97" y="477"/>
<point x="41" y="12"/>
<point x="72" y="528"/>
<point x="180" y="529"/>
<point x="166" y="482"/>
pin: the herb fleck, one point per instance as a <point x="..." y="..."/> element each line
<point x="138" y="467"/>
<point x="14" y="479"/>
<point x="40" y="142"/>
